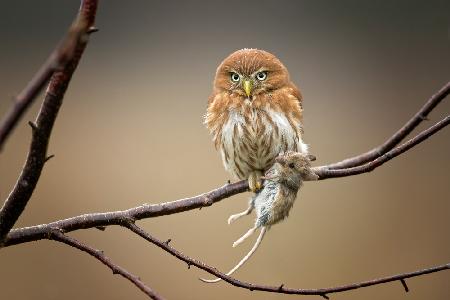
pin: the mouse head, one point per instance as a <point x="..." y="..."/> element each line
<point x="293" y="167"/>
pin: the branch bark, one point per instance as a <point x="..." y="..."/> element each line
<point x="41" y="129"/>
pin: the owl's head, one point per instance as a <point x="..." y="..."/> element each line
<point x="249" y="72"/>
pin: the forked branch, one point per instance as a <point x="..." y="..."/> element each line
<point x="67" y="57"/>
<point x="37" y="232"/>
<point x="58" y="60"/>
<point x="60" y="67"/>
<point x="280" y="289"/>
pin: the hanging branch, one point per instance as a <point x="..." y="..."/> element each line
<point x="69" y="52"/>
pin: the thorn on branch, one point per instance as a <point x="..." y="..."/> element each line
<point x="101" y="228"/>
<point x="167" y="242"/>
<point x="33" y="126"/>
<point x="229" y="181"/>
<point x="189" y="265"/>
<point x="281" y="287"/>
<point x="405" y="286"/>
<point x="325" y="296"/>
<point x="49" y="157"/>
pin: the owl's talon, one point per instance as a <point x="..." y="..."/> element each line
<point x="254" y="181"/>
<point x="258" y="184"/>
<point x="252" y="188"/>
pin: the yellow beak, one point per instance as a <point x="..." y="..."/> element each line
<point x="248" y="87"/>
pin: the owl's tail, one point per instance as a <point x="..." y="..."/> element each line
<point x="249" y="254"/>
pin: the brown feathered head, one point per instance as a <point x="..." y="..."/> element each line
<point x="249" y="72"/>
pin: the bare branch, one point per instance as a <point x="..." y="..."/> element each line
<point x="60" y="67"/>
<point x="57" y="60"/>
<point x="281" y="289"/>
<point x="99" y="220"/>
<point x="325" y="172"/>
<point x="26" y="183"/>
<point x="397" y="137"/>
<point x="59" y="236"/>
<point x="33" y="233"/>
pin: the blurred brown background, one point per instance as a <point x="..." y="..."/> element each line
<point x="130" y="131"/>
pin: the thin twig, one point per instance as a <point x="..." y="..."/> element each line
<point x="57" y="60"/>
<point x="397" y="137"/>
<point x="325" y="173"/>
<point x="37" y="155"/>
<point x="59" y="236"/>
<point x="33" y="233"/>
<point x="281" y="289"/>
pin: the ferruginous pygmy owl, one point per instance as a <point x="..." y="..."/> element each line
<point x="254" y="113"/>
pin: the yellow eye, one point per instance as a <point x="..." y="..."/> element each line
<point x="235" y="77"/>
<point x="261" y="76"/>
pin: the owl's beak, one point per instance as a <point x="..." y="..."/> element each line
<point x="248" y="87"/>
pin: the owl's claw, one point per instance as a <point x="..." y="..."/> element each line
<point x="254" y="181"/>
<point x="258" y="184"/>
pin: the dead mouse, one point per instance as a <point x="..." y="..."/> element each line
<point x="275" y="200"/>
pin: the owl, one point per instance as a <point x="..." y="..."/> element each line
<point x="254" y="113"/>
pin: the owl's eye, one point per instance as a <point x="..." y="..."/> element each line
<point x="291" y="165"/>
<point x="261" y="76"/>
<point x="235" y="77"/>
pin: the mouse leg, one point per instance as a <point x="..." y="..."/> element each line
<point x="246" y="235"/>
<point x="246" y="212"/>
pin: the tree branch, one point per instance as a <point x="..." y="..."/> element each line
<point x="59" y="236"/>
<point x="281" y="289"/>
<point x="397" y="137"/>
<point x="326" y="172"/>
<point x="57" y="60"/>
<point x="26" y="183"/>
<point x="60" y="67"/>
<point x="33" y="233"/>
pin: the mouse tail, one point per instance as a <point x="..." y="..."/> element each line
<point x="243" y="260"/>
